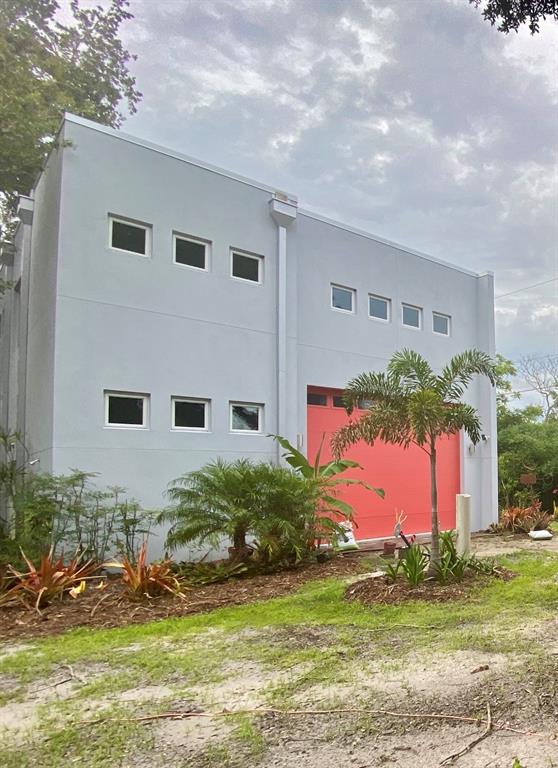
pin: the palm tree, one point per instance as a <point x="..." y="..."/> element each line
<point x="412" y="404"/>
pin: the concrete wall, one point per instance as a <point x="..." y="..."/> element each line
<point x="127" y="322"/>
<point x="137" y="324"/>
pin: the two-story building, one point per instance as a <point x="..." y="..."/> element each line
<point x="166" y="312"/>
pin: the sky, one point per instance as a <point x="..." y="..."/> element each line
<point x="412" y="119"/>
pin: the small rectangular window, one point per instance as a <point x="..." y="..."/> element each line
<point x="315" y="398"/>
<point x="246" y="417"/>
<point x="130" y="236"/>
<point x="338" y="401"/>
<point x="411" y="316"/>
<point x="190" y="414"/>
<point x="342" y="299"/>
<point x="190" y="252"/>
<point x="126" y="409"/>
<point x="441" y="323"/>
<point x="378" y="307"/>
<point x="245" y="266"/>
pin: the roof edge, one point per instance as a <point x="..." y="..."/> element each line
<point x="117" y="134"/>
<point x="384" y="241"/>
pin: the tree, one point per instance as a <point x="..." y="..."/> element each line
<point x="46" y="68"/>
<point x="527" y="444"/>
<point x="409" y="403"/>
<point x="511" y="14"/>
<point x="541" y="374"/>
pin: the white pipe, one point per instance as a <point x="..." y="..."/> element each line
<point x="463" y="523"/>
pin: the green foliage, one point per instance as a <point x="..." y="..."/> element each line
<point x="239" y="499"/>
<point x="414" y="564"/>
<point x="326" y="477"/>
<point x="409" y="403"/>
<point x="48" y="67"/>
<point x="392" y="571"/>
<point x="64" y="512"/>
<point x="508" y="15"/>
<point x="200" y="574"/>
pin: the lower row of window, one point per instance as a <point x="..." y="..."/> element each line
<point x="131" y="410"/>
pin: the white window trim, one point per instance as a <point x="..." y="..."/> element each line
<point x="255" y="256"/>
<point x="205" y="401"/>
<point x="388" y="302"/>
<point x="200" y="241"/>
<point x="260" y="408"/>
<point x="343" y="288"/>
<point x="134" y="223"/>
<point x="419" y="310"/>
<point x="137" y="396"/>
<point x="446" y="317"/>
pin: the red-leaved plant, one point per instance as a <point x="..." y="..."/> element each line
<point x="525" y="519"/>
<point x="142" y="579"/>
<point x="50" y="579"/>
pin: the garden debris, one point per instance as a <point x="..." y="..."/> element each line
<point x="482" y="668"/>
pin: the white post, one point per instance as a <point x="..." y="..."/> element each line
<point x="463" y="522"/>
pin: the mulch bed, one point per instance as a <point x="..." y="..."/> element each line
<point x="110" y="608"/>
<point x="377" y="590"/>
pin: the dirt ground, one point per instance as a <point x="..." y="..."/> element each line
<point x="454" y="684"/>
<point x="414" y="689"/>
<point x="492" y="545"/>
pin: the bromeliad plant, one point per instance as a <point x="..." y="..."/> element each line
<point x="410" y="404"/>
<point x="50" y="579"/>
<point x="327" y="480"/>
<point x="142" y="579"/>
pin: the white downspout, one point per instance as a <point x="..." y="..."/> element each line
<point x="283" y="210"/>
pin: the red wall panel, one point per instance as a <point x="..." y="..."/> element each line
<point x="404" y="474"/>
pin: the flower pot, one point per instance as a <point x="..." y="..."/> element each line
<point x="389" y="548"/>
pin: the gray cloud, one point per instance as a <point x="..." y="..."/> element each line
<point x="415" y="120"/>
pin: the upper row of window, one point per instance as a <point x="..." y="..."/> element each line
<point x="343" y="299"/>
<point x="194" y="252"/>
<point x="188" y="251"/>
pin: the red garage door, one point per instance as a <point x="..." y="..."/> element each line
<point x="403" y="474"/>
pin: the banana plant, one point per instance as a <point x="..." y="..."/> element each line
<point x="325" y="476"/>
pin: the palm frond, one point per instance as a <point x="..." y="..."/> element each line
<point x="412" y="370"/>
<point x="458" y="373"/>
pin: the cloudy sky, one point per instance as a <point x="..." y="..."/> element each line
<point x="412" y="119"/>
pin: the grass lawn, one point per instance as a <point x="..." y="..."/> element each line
<point x="308" y="651"/>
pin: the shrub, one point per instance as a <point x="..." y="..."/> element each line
<point x="142" y="579"/>
<point x="237" y="500"/>
<point x="525" y="519"/>
<point x="414" y="564"/>
<point x="68" y="511"/>
<point x="41" y="584"/>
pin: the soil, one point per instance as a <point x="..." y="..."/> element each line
<point x="111" y="608"/>
<point x="376" y="590"/>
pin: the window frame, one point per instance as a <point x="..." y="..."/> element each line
<point x="133" y="223"/>
<point x="420" y="319"/>
<point x="259" y="406"/>
<point x="247" y="254"/>
<point x="207" y="413"/>
<point x="446" y="317"/>
<point x="191" y="239"/>
<point x="352" y="291"/>
<point x="388" y="305"/>
<point x="108" y="393"/>
<point x="317" y="394"/>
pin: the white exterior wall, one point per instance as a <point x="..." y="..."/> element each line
<point x="119" y="321"/>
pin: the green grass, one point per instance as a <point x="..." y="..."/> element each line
<point x="192" y="652"/>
